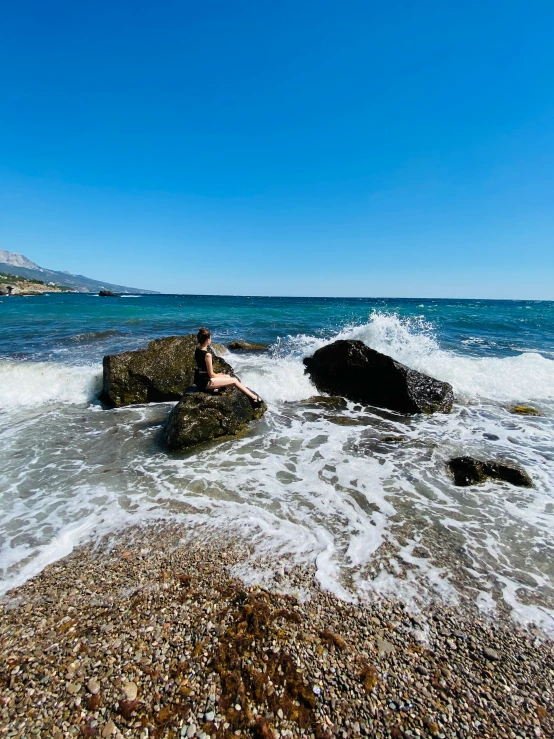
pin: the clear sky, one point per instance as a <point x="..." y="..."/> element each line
<point x="282" y="148"/>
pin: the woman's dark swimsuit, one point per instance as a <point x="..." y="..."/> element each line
<point x="201" y="376"/>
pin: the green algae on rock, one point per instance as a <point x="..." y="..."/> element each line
<point x="524" y="410"/>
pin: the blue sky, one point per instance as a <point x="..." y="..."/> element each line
<point x="312" y="148"/>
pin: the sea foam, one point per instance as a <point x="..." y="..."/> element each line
<point x="38" y="383"/>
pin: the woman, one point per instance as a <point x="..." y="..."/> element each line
<point x="206" y="379"/>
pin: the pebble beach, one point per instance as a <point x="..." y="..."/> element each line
<point x="150" y="633"/>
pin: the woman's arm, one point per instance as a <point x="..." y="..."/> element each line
<point x="209" y="366"/>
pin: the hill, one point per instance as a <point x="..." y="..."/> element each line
<point x="17" y="264"/>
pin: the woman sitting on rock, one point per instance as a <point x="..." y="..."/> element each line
<point x="206" y="379"/>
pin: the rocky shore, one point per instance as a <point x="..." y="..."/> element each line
<point x="151" y="634"/>
<point x="14" y="285"/>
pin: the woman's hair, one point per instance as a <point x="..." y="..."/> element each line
<point x="203" y="335"/>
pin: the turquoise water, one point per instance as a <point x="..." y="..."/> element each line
<point x="50" y="327"/>
<point x="361" y="492"/>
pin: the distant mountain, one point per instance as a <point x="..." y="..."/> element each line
<point x="17" y="264"/>
<point x="16" y="260"/>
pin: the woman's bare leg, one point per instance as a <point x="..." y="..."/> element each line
<point x="225" y="381"/>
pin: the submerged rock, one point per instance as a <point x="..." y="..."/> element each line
<point x="352" y="369"/>
<point x="200" y="417"/>
<point x="333" y="401"/>
<point x="158" y="373"/>
<point x="246" y="346"/>
<point x="470" y="471"/>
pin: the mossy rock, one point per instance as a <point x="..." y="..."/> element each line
<point x="334" y="401"/>
<point x="246" y="346"/>
<point x="200" y="417"/>
<point x="524" y="410"/>
<point x="161" y="372"/>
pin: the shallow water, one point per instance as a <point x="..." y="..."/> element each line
<point x="360" y="491"/>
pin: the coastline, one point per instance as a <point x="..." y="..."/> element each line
<point x="152" y="635"/>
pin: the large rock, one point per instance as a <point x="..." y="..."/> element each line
<point x="353" y="370"/>
<point x="158" y="373"/>
<point x="200" y="417"/>
<point x="470" y="471"/>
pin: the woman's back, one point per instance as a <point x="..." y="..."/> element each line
<point x="200" y="358"/>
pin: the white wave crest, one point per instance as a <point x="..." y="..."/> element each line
<point x="38" y="383"/>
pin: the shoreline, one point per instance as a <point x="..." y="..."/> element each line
<point x="153" y="636"/>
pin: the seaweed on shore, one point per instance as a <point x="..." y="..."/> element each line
<point x="257" y="673"/>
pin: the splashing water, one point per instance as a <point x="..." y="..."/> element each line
<point x="361" y="492"/>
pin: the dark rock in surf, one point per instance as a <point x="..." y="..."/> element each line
<point x="246" y="346"/>
<point x="158" y="373"/>
<point x="469" y="471"/>
<point x="107" y="294"/>
<point x="353" y="370"/>
<point x="200" y="417"/>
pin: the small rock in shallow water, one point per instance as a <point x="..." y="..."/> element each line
<point x="108" y="729"/>
<point x="470" y="471"/>
<point x="209" y="716"/>
<point x="191" y="731"/>
<point x="524" y="410"/>
<point x="93" y="686"/>
<point x="130" y="690"/>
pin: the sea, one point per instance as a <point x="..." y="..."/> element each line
<point x="361" y="494"/>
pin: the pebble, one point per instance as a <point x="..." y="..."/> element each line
<point x="209" y="716"/>
<point x="384" y="646"/>
<point x="191" y="731"/>
<point x="490" y="653"/>
<point x="93" y="686"/>
<point x="108" y="729"/>
<point x="130" y="691"/>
